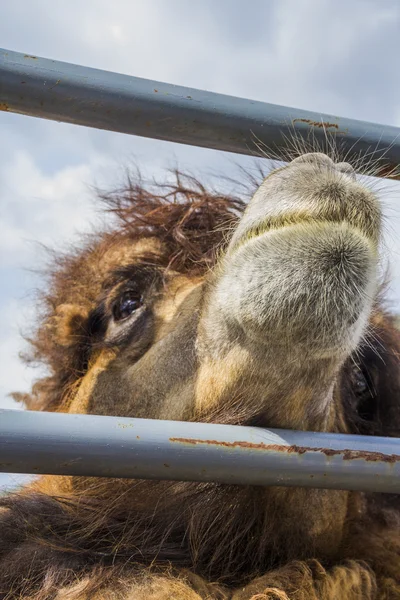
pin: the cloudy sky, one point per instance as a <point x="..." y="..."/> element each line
<point x="330" y="56"/>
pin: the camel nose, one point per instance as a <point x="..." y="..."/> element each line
<point x="320" y="159"/>
<point x="344" y="167"/>
<point x="315" y="158"/>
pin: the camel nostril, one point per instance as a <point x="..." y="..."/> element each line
<point x="344" y="167"/>
<point x="315" y="158"/>
<point x="320" y="159"/>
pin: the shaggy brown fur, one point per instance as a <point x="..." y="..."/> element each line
<point x="69" y="538"/>
<point x="190" y="221"/>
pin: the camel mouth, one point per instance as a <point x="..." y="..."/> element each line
<point x="275" y="225"/>
<point x="306" y="194"/>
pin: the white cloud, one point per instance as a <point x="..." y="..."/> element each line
<point x="14" y="375"/>
<point x="49" y="208"/>
<point x="332" y="56"/>
<point x="12" y="481"/>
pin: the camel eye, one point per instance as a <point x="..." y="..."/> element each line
<point x="360" y="383"/>
<point x="129" y="302"/>
<point x="364" y="393"/>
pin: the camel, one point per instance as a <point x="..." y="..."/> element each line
<point x="193" y="305"/>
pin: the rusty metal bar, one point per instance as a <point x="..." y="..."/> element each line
<point x="60" y="91"/>
<point x="89" y="445"/>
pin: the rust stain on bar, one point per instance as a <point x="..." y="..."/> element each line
<point x="347" y="454"/>
<point x="320" y="124"/>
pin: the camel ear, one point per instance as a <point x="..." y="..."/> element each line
<point x="63" y="340"/>
<point x="69" y="325"/>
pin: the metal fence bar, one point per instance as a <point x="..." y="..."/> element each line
<point x="65" y="444"/>
<point x="65" y="92"/>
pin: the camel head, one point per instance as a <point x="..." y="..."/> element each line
<point x="192" y="308"/>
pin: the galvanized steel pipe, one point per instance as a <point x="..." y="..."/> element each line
<point x="65" y="444"/>
<point x="45" y="88"/>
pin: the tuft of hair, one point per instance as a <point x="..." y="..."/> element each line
<point x="191" y="219"/>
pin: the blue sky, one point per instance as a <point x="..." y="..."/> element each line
<point x="332" y="56"/>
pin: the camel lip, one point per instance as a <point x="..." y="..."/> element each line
<point x="277" y="224"/>
<point x="274" y="225"/>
